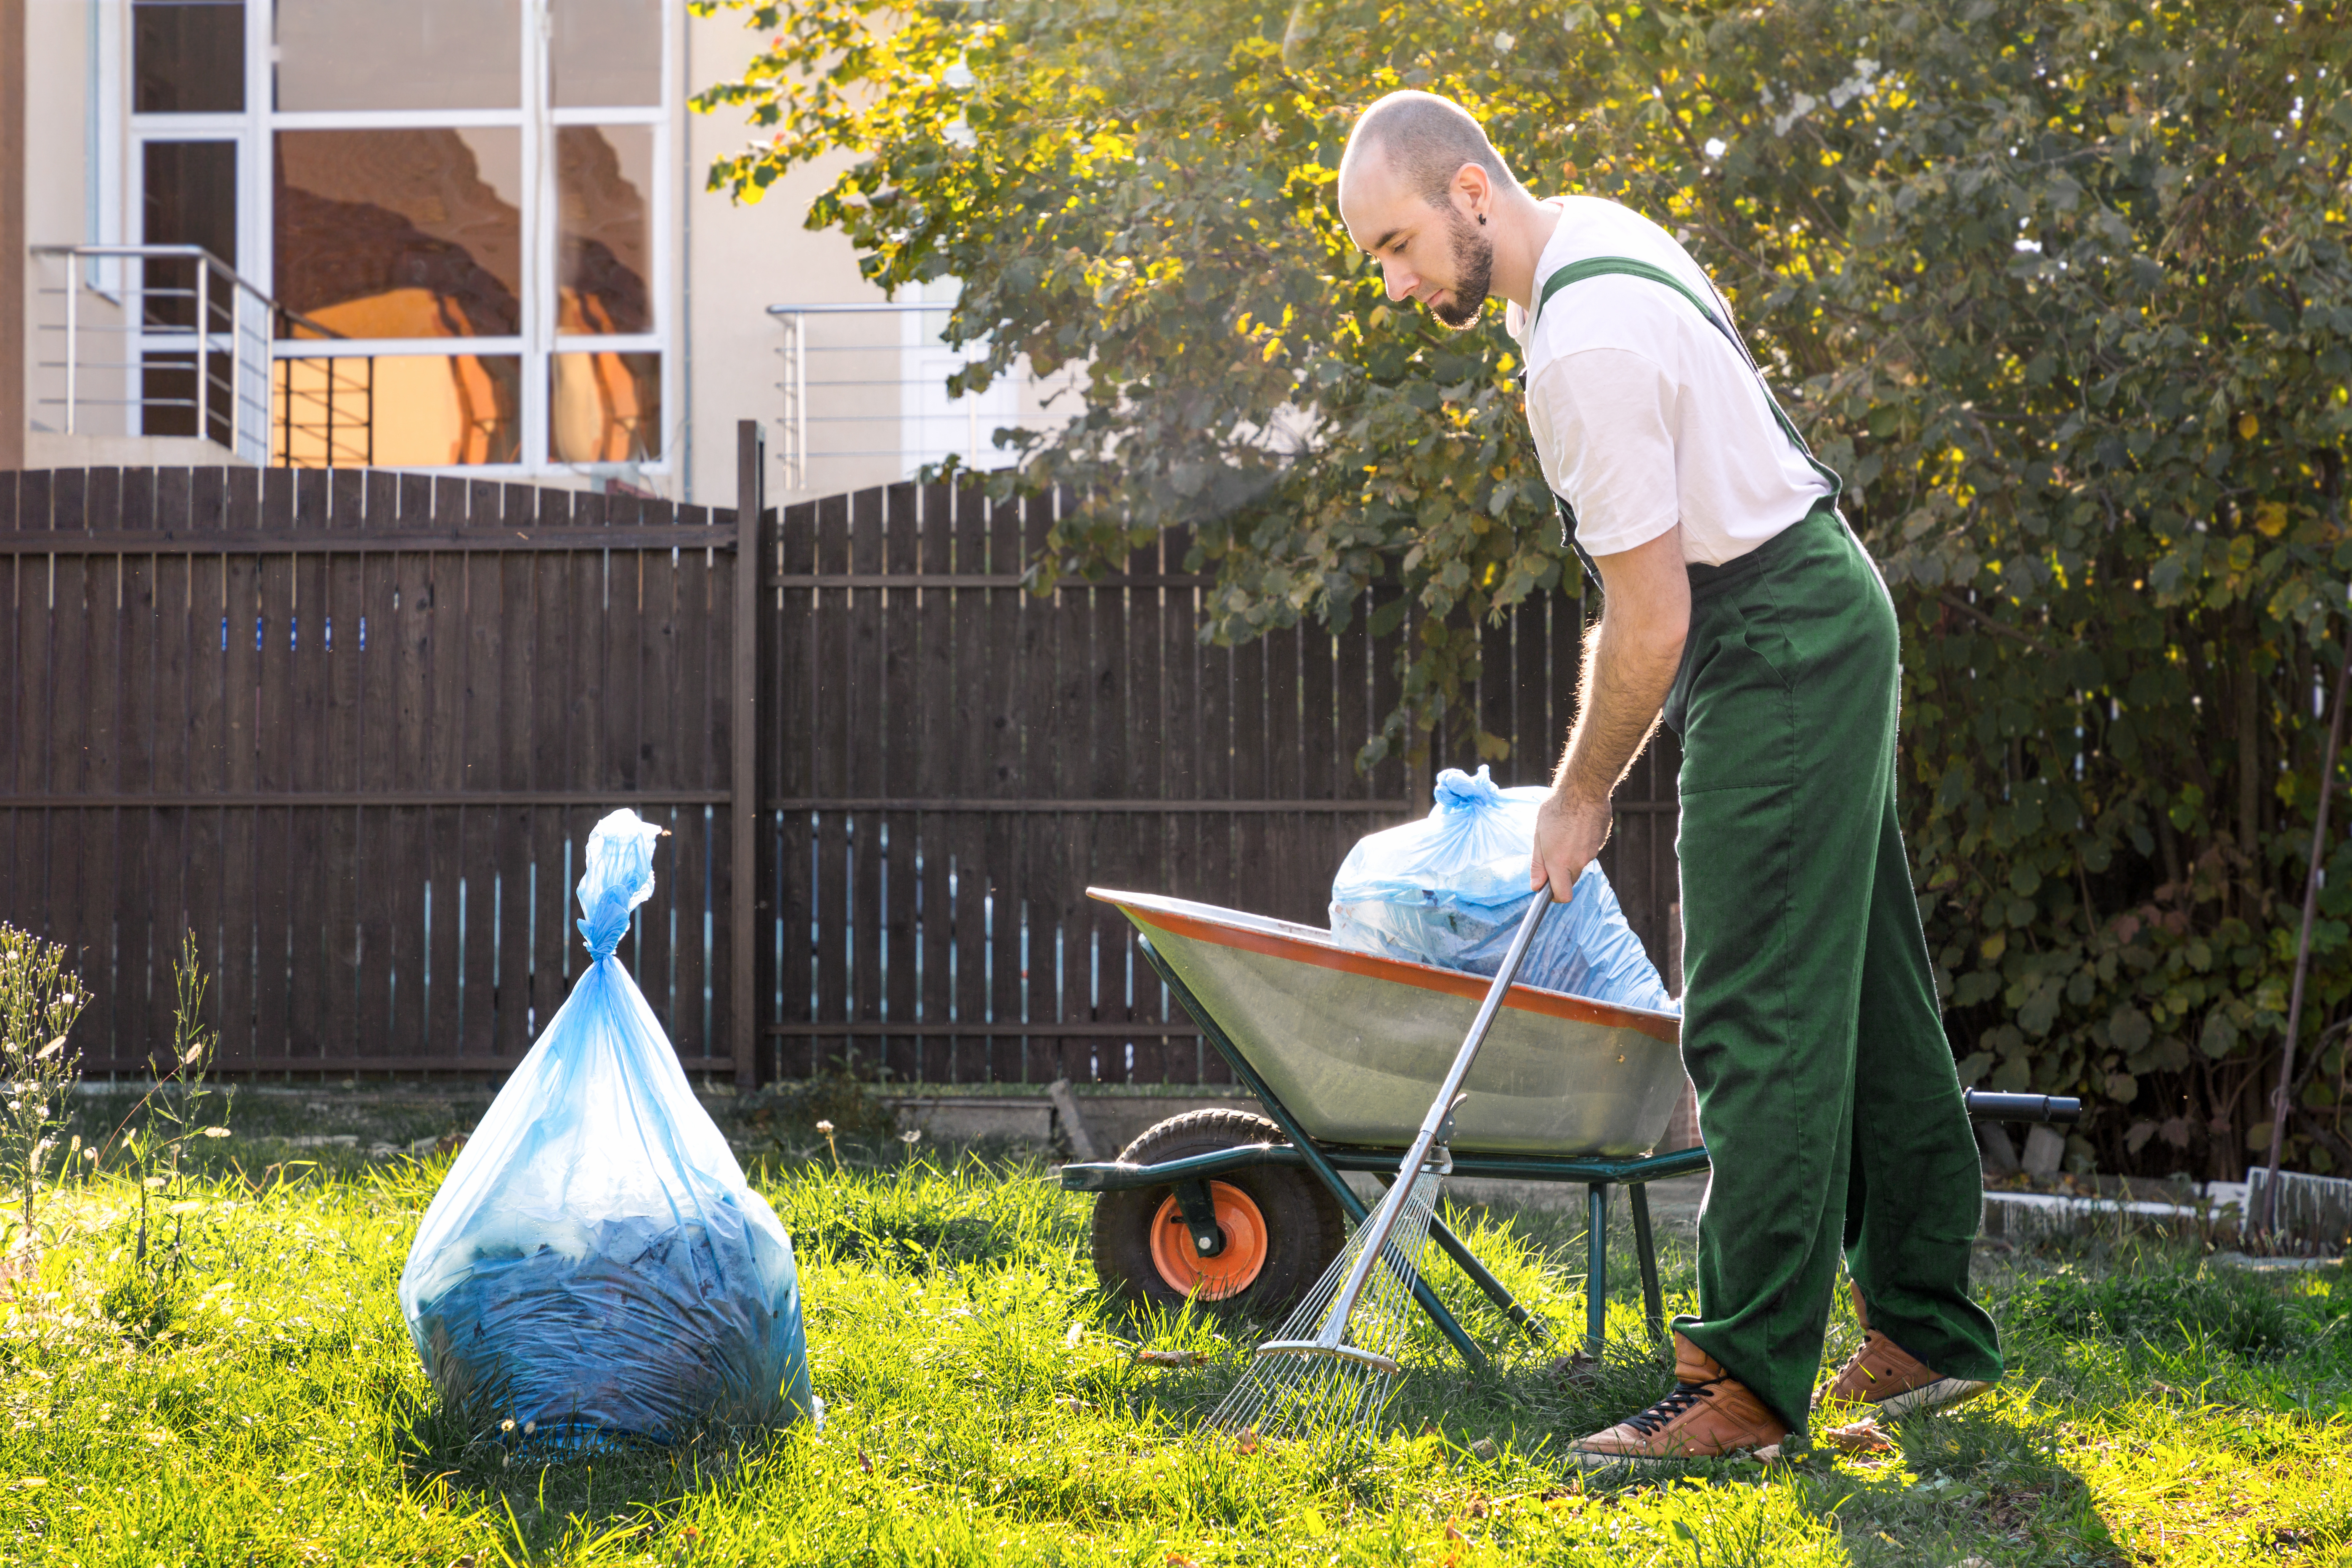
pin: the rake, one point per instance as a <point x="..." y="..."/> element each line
<point x="1316" y="1376"/>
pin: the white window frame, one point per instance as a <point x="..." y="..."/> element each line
<point x="537" y="203"/>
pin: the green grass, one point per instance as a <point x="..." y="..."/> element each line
<point x="253" y="1400"/>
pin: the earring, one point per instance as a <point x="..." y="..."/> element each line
<point x="1482" y="220"/>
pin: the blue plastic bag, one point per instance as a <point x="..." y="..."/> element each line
<point x="595" y="1263"/>
<point x="1450" y="889"/>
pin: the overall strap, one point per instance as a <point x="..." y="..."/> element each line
<point x="1626" y="266"/>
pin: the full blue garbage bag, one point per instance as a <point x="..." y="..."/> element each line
<point x="595" y="1263"/>
<point x="1450" y="889"/>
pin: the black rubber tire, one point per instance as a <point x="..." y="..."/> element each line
<point x="1305" y="1226"/>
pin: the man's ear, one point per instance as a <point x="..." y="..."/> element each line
<point x="1471" y="187"/>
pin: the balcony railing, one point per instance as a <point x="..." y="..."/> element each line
<point x="169" y="340"/>
<point x="865" y="401"/>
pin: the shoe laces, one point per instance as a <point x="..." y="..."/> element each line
<point x="1860" y="1360"/>
<point x="1657" y="1417"/>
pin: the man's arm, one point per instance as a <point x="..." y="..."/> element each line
<point x="1630" y="658"/>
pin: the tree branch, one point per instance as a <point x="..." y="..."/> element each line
<point x="1998" y="628"/>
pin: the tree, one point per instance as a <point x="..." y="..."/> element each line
<point x="2060" y="288"/>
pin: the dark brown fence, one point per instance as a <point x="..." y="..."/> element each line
<point x="954" y="761"/>
<point x="350" y="728"/>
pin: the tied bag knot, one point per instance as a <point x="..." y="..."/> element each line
<point x="619" y="876"/>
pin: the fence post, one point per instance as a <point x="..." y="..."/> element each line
<point x="751" y="466"/>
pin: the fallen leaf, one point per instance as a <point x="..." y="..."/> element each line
<point x="1169" y="1357"/>
<point x="1247" y="1443"/>
<point x="1859" y="1437"/>
<point x="1483" y="1449"/>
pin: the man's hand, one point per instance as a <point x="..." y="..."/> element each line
<point x="1570" y="832"/>
<point x="1630" y="658"/>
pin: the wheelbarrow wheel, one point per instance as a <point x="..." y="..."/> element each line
<point x="1281" y="1228"/>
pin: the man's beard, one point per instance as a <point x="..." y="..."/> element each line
<point x="1473" y="271"/>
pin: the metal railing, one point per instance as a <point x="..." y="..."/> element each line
<point x="170" y="339"/>
<point x="157" y="340"/>
<point x="865" y="397"/>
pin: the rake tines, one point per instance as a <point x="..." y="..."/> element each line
<point x="1296" y="1387"/>
<point x="1312" y="1379"/>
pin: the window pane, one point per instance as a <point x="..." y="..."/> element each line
<point x="408" y="411"/>
<point x="188" y="196"/>
<point x="606" y="53"/>
<point x="604" y="175"/>
<point x="606" y="408"/>
<point x="409" y="54"/>
<point x="187" y="57"/>
<point x="401" y="234"/>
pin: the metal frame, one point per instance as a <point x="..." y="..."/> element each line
<point x="1598" y="1176"/>
<point x="535" y="119"/>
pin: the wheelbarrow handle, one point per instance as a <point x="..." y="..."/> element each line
<point x="1986" y="1106"/>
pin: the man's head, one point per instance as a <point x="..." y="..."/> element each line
<point x="1417" y="186"/>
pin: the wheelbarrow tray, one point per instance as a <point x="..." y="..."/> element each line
<point x="1355" y="1044"/>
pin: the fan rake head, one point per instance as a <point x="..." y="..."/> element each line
<point x="1329" y="1372"/>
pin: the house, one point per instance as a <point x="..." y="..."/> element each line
<point x="463" y="235"/>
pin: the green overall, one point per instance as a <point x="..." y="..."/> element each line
<point x="1827" y="1096"/>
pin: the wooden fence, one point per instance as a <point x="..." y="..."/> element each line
<point x="954" y="761"/>
<point x="350" y="729"/>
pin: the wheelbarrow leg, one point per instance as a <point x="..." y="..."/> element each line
<point x="1596" y="1267"/>
<point x="1654" y="1304"/>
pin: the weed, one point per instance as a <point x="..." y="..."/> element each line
<point x="2236" y="1311"/>
<point x="40" y="1000"/>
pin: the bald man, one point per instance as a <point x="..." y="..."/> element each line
<point x="1735" y="600"/>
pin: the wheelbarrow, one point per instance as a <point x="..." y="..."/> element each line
<point x="1345" y="1050"/>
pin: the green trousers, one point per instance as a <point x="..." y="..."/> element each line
<point x="1826" y="1089"/>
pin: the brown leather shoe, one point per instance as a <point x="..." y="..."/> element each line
<point x="1883" y="1373"/>
<point x="1709" y="1416"/>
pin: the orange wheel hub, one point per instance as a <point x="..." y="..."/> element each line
<point x="1231" y="1270"/>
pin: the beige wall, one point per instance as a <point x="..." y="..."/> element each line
<point x="51" y="160"/>
<point x="12" y="231"/>
<point x="738" y="260"/>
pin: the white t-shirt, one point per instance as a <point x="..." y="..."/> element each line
<point x="1644" y="415"/>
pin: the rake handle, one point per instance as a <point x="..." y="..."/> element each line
<point x="1382" y="1220"/>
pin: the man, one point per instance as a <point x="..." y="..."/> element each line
<point x="1735" y="599"/>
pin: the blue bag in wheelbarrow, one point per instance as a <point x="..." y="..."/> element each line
<point x="595" y="1263"/>
<point x="1450" y="889"/>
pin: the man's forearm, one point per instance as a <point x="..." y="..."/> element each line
<point x="1629" y="666"/>
<point x="1628" y="670"/>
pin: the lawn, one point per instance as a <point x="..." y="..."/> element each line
<point x="247" y="1395"/>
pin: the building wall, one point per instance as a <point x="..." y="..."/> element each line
<point x="738" y="259"/>
<point x="12" y="232"/>
<point x="52" y="158"/>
